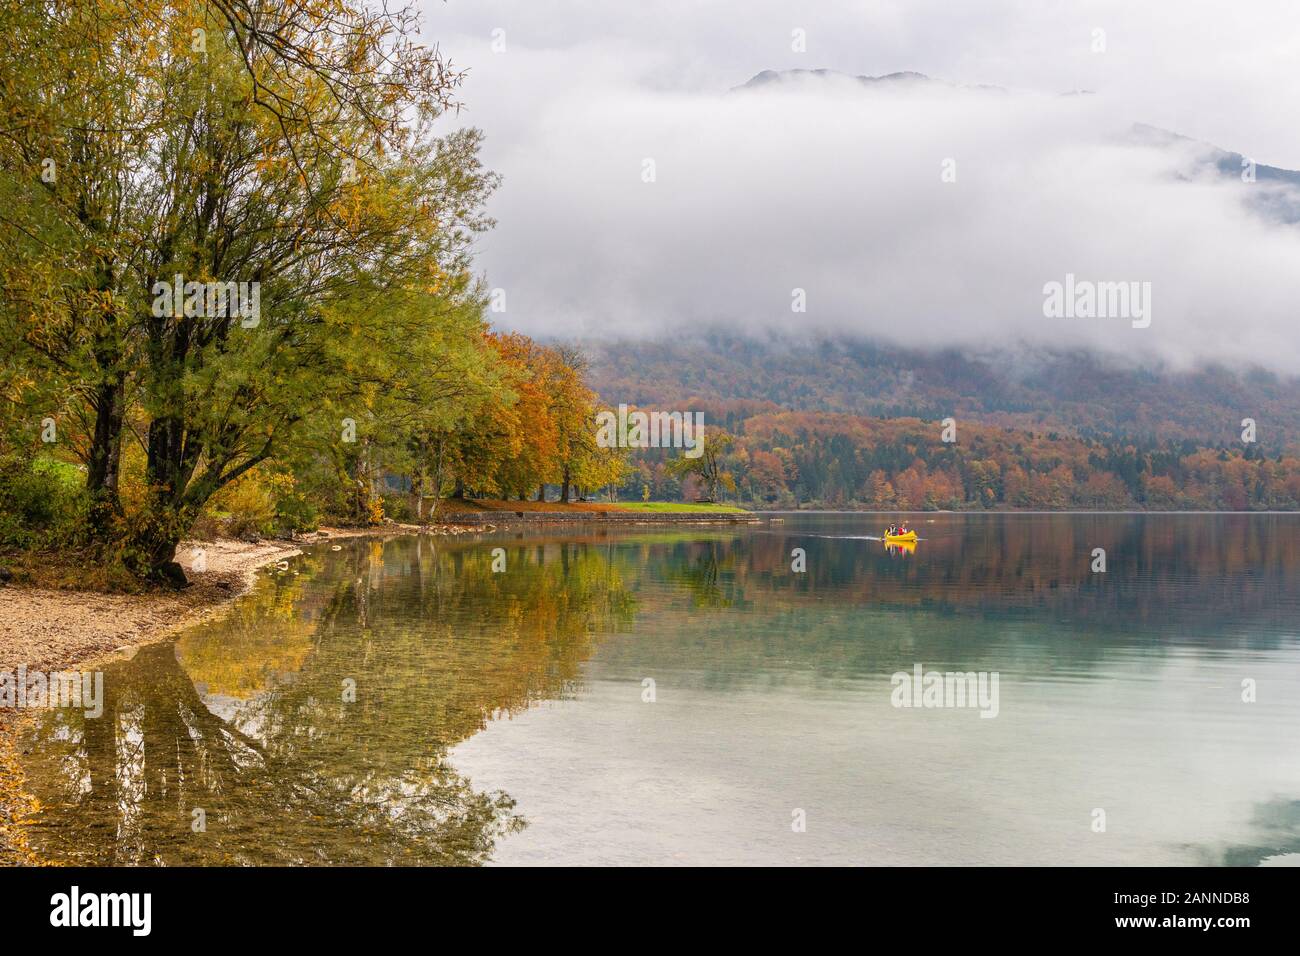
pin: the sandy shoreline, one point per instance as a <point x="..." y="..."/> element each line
<point x="51" y="629"/>
<point x="48" y="629"/>
<point x="58" y="629"/>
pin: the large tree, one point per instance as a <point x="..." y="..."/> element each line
<point x="282" y="145"/>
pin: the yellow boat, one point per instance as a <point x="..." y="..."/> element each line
<point x="909" y="536"/>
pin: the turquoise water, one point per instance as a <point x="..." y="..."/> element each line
<point x="684" y="696"/>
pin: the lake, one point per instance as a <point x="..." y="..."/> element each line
<point x="683" y="696"/>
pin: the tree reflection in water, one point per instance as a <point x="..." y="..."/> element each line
<point x="1275" y="829"/>
<point x="245" y="720"/>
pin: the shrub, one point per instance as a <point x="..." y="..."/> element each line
<point x="259" y="502"/>
<point x="293" y="510"/>
<point x="43" y="502"/>
<point x="398" y="507"/>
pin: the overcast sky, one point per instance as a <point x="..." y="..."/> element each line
<point x="838" y="191"/>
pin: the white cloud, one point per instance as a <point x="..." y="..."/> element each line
<point x="837" y="190"/>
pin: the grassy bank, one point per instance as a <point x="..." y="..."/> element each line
<point x="476" y="505"/>
<point x="679" y="507"/>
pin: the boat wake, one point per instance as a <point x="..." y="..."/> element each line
<point x="833" y="537"/>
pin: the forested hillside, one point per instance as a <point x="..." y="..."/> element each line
<point x="1067" y="392"/>
<point x="865" y="431"/>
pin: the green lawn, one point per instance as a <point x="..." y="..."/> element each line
<point x="674" y="507"/>
<point x="450" y="506"/>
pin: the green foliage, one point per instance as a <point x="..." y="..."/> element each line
<point x="42" y="502"/>
<point x="295" y="512"/>
<point x="709" y="466"/>
<point x="261" y="503"/>
<point x="678" y="507"/>
<point x="306" y="165"/>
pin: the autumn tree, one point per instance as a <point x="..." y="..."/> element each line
<point x="287" y="147"/>
<point x="708" y="465"/>
<point x="767" y="474"/>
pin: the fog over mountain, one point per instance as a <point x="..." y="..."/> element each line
<point x="833" y="182"/>
<point x="1040" y="391"/>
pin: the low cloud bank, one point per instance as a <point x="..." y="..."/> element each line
<point x="923" y="214"/>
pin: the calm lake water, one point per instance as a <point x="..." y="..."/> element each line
<point x="683" y="696"/>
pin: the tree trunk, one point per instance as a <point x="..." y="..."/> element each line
<point x="109" y="402"/>
<point x="169" y="464"/>
<point x="564" y="486"/>
<point x="103" y="464"/>
<point x="150" y="550"/>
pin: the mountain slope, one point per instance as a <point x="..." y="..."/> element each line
<point x="1071" y="392"/>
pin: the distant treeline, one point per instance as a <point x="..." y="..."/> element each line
<point x="808" y="459"/>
